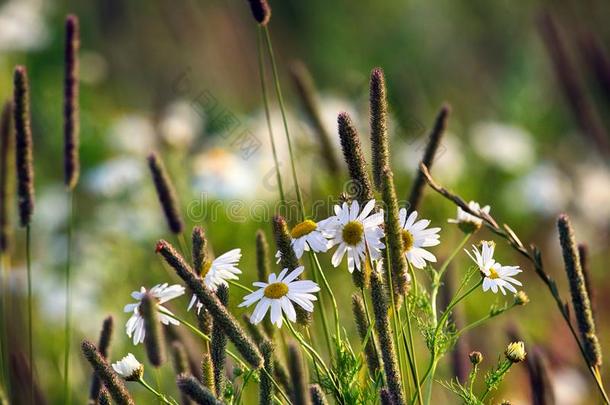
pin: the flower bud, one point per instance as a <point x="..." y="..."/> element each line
<point x="521" y="298"/>
<point x="515" y="352"/>
<point x="475" y="358"/>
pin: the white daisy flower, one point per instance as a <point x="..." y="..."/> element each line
<point x="468" y="222"/>
<point x="129" y="368"/>
<point x="495" y="275"/>
<point x="217" y="272"/>
<point x="353" y="230"/>
<point x="415" y="237"/>
<point x="162" y="293"/>
<point x="279" y="293"/>
<point x="309" y="235"/>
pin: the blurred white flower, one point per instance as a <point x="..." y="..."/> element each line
<point x="93" y="67"/>
<point x="544" y="190"/>
<point x="593" y="192"/>
<point x="51" y="208"/>
<point x="129" y="368"/>
<point x="22" y="25"/>
<point x="115" y="176"/>
<point x="133" y="133"/>
<point x="162" y="293"/>
<point x="468" y="221"/>
<point x="180" y="124"/>
<point x="509" y="147"/>
<point x="570" y="387"/>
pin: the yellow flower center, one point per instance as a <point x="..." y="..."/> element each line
<point x="493" y="274"/>
<point x="205" y="268"/>
<point x="407" y="240"/>
<point x="302" y="229"/>
<point x="276" y="290"/>
<point x="353" y="232"/>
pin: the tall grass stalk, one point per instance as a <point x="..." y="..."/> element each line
<point x="28" y="255"/>
<point x="68" y="308"/>
<point x="411" y="346"/>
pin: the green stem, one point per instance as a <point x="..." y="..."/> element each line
<point x="280" y="99"/>
<point x="482" y="320"/>
<point x="238" y="284"/>
<point x="68" y="309"/>
<point x="160" y="396"/>
<point x="28" y="254"/>
<point x="329" y="291"/>
<point x="411" y="347"/>
<point x="261" y="70"/>
<point x="323" y="314"/>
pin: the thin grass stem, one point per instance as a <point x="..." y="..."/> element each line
<point x="68" y="309"/>
<point x="28" y="255"/>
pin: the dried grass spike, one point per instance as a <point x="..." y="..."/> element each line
<point x="23" y="146"/>
<point x="109" y="377"/>
<point x="71" y="107"/>
<point x="166" y="193"/>
<point x="104" y="349"/>
<point x="434" y="141"/>
<point x="153" y="340"/>
<point x="356" y="165"/>
<point x="578" y="290"/>
<point x="197" y="392"/>
<point x="379" y="125"/>
<point x="300" y="395"/>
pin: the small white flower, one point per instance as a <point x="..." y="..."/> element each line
<point x="279" y="294"/>
<point x="415" y="237"/>
<point x="469" y="222"/>
<point x="217" y="272"/>
<point x="163" y="293"/>
<point x="495" y="275"/>
<point x="308" y="235"/>
<point x="353" y="231"/>
<point x="129" y="368"/>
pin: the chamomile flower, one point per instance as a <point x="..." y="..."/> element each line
<point x="217" y="272"/>
<point x="308" y="235"/>
<point x="279" y="294"/>
<point x="162" y="293"/>
<point x="354" y="230"/>
<point x="415" y="237"/>
<point x="129" y="368"/>
<point x="495" y="275"/>
<point x="468" y="222"/>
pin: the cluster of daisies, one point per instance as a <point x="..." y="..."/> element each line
<point x="356" y="233"/>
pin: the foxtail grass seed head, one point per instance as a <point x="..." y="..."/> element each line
<point x="166" y="193"/>
<point x="476" y="358"/>
<point x="181" y="364"/>
<point x="541" y="386"/>
<point x="379" y="125"/>
<point x="103" y="398"/>
<point x="200" y="243"/>
<point x="515" y="352"/>
<point x="394" y="233"/>
<point x="521" y="298"/>
<point x="578" y="290"/>
<point x="204" y="321"/>
<point x="265" y="396"/>
<point x="356" y="165"/>
<point x="434" y="141"/>
<point x="217" y="310"/>
<point x="257" y="334"/>
<point x="382" y="323"/>
<point x="583" y="256"/>
<point x="219" y="344"/>
<point x="386" y="397"/>
<point x="261" y="11"/>
<point x="154" y="343"/>
<point x="71" y="106"/>
<point x="114" y="384"/>
<point x="7" y="153"/>
<point x="300" y="395"/>
<point x="317" y="395"/>
<point x="104" y="349"/>
<point x="197" y="392"/>
<point x="23" y="146"/>
<point x="362" y="278"/>
<point x="362" y="324"/>
<point x="207" y="372"/>
<point x="304" y="85"/>
<point x="262" y="269"/>
<point x="288" y="259"/>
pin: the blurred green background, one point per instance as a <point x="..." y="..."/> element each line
<point x="164" y="74"/>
